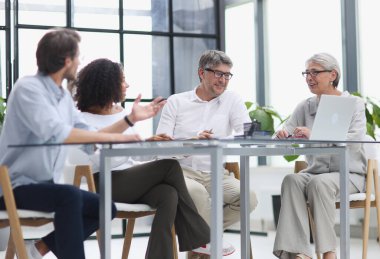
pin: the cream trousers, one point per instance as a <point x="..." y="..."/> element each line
<point x="199" y="186"/>
<point x="293" y="235"/>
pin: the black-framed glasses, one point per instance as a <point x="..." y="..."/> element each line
<point x="219" y="74"/>
<point x="313" y="73"/>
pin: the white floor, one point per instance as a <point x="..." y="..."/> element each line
<point x="261" y="245"/>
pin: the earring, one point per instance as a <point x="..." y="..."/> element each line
<point x="331" y="82"/>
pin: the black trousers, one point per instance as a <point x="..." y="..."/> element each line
<point x="161" y="185"/>
<point x="76" y="215"/>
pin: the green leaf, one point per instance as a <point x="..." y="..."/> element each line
<point x="368" y="116"/>
<point x="370" y="130"/>
<point x="356" y="94"/>
<point x="291" y="158"/>
<point x="272" y="112"/>
<point x="2" y="110"/>
<point x="264" y="118"/>
<point x="376" y="114"/>
<point x="248" y="105"/>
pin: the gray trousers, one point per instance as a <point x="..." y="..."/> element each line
<point x="293" y="234"/>
<point x="161" y="185"/>
<point x="199" y="186"/>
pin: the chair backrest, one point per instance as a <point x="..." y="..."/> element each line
<point x="233" y="167"/>
<point x="9" y="199"/>
<point x="75" y="156"/>
<point x="371" y="150"/>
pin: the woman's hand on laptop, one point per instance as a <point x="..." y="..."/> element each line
<point x="301" y="132"/>
<point x="281" y="134"/>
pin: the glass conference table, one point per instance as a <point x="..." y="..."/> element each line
<point x="216" y="149"/>
<point x="244" y="148"/>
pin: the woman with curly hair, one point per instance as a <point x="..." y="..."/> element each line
<point x="100" y="88"/>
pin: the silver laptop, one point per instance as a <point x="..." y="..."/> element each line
<point x="333" y="118"/>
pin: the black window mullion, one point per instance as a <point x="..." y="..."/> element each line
<point x="171" y="48"/>
<point x="68" y="13"/>
<point x="15" y="43"/>
<point x="121" y="29"/>
<point x="8" y="49"/>
<point x="220" y="20"/>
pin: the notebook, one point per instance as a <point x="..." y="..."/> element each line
<point x="333" y="118"/>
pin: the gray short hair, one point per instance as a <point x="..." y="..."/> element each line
<point x="328" y="62"/>
<point x="212" y="58"/>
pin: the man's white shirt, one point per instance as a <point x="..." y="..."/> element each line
<point x="185" y="115"/>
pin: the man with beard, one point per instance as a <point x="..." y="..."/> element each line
<point x="40" y="110"/>
<point x="209" y="111"/>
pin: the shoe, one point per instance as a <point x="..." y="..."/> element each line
<point x="206" y="249"/>
<point x="32" y="251"/>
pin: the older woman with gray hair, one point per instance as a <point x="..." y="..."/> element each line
<point x="318" y="184"/>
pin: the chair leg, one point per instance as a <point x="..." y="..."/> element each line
<point x="175" y="252"/>
<point x="250" y="248"/>
<point x="366" y="228"/>
<point x="11" y="252"/>
<point x="378" y="224"/>
<point x="16" y="245"/>
<point x="191" y="255"/>
<point x="377" y="200"/>
<point x="128" y="238"/>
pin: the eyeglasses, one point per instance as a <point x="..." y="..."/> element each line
<point x="219" y="74"/>
<point x="313" y="73"/>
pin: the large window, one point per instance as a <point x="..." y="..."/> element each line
<point x="295" y="31"/>
<point x="96" y="14"/>
<point x="240" y="46"/>
<point x="369" y="42"/>
<point x="158" y="41"/>
<point x="42" y="12"/>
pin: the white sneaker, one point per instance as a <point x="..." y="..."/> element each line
<point x="206" y="249"/>
<point x="32" y="251"/>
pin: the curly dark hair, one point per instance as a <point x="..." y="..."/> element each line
<point x="99" y="84"/>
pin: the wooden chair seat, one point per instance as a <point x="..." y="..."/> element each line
<point x="16" y="218"/>
<point x="133" y="207"/>
<point x="124" y="210"/>
<point x="28" y="214"/>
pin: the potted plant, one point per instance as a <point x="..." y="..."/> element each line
<point x="2" y="112"/>
<point x="372" y="114"/>
<point x="266" y="115"/>
<point x="263" y="114"/>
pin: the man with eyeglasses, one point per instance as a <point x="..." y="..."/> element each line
<point x="209" y="111"/>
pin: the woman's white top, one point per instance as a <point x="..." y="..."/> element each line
<point x="101" y="121"/>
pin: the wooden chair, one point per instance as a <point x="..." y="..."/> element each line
<point x="16" y="218"/>
<point x="124" y="210"/>
<point x="360" y="200"/>
<point x="232" y="167"/>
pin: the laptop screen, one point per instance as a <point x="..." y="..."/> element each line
<point x="333" y="118"/>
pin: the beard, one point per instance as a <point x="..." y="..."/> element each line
<point x="70" y="74"/>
